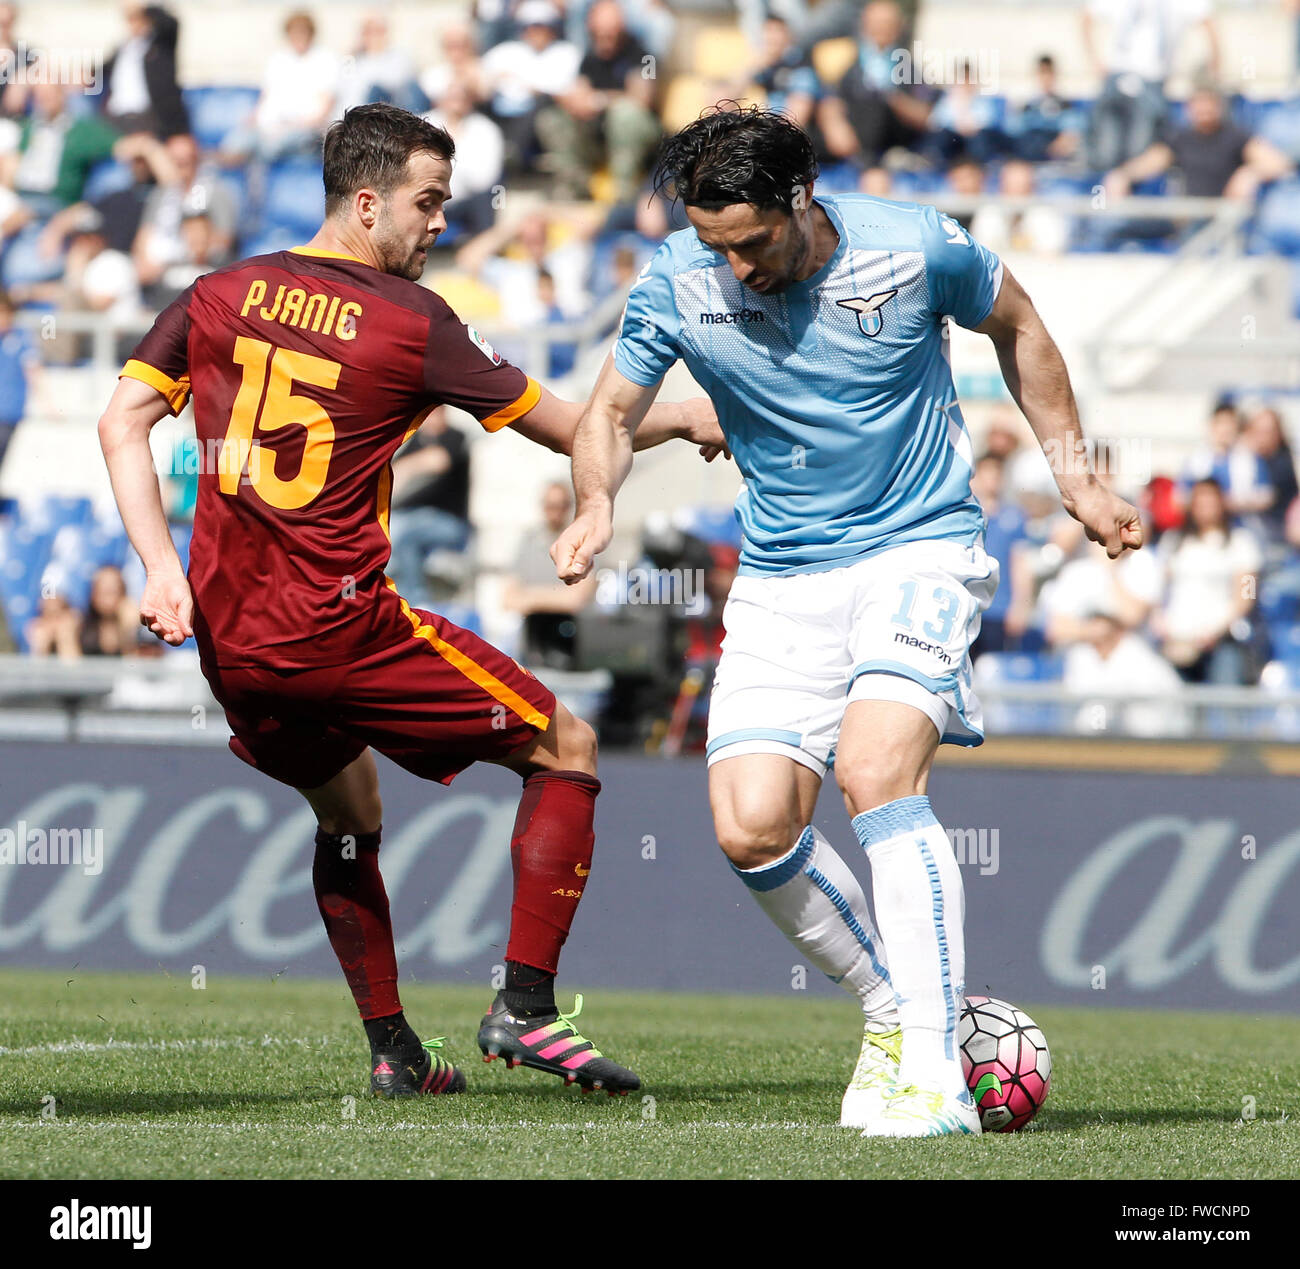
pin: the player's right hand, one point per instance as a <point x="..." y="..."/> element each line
<point x="575" y="550"/>
<point x="167" y="608"/>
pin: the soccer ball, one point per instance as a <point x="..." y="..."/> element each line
<point x="1006" y="1060"/>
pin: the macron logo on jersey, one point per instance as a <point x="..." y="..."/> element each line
<point x="741" y="315"/>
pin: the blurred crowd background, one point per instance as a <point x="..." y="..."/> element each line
<point x="115" y="195"/>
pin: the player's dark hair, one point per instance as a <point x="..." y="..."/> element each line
<point x="370" y="147"/>
<point x="737" y="155"/>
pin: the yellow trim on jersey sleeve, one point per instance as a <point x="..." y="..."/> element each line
<point x="177" y="391"/>
<point x="471" y="668"/>
<point x="530" y="396"/>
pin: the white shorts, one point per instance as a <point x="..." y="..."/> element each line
<point x="896" y="626"/>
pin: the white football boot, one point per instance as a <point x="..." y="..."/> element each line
<point x="873" y="1079"/>
<point x="924" y="1112"/>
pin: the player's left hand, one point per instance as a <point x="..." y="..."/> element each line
<point x="1106" y="518"/>
<point x="167" y="608"/>
<point x="701" y="427"/>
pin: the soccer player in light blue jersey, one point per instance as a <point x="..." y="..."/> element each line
<point x="818" y="327"/>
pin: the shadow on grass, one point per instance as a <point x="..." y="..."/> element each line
<point x="1070" y="1120"/>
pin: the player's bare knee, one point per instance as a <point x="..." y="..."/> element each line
<point x="871" y="782"/>
<point x="753" y="835"/>
<point x="577" y="746"/>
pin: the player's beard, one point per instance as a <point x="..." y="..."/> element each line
<point x="798" y="251"/>
<point x="396" y="253"/>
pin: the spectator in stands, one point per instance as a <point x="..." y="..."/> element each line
<point x="525" y="74"/>
<point x="494" y="22"/>
<point x="460" y="65"/>
<point x="117" y="213"/>
<point x="785" y="74"/>
<point x="606" y="117"/>
<point x="19" y="368"/>
<point x="1038" y="227"/>
<point x="1214" y="157"/>
<point x="430" y="503"/>
<point x="1027" y="474"/>
<point x="547" y="606"/>
<point x="563" y="355"/>
<point x="1266" y="505"/>
<point x="185" y="188"/>
<point x="377" y="71"/>
<point x="1111" y="663"/>
<point x="1088" y="582"/>
<point x="199" y="254"/>
<point x="1144" y="39"/>
<point x="1224" y="459"/>
<point x="112" y="621"/>
<point x="511" y="256"/>
<point x="55" y="151"/>
<point x="479" y="169"/>
<point x="96" y="279"/>
<point x="1007" y="618"/>
<point x="963" y="121"/>
<point x="877" y="181"/>
<point x="871" y="111"/>
<point x="1046" y="126"/>
<point x="965" y="178"/>
<point x="299" y="88"/>
<point x="16" y="51"/>
<point x="143" y="94"/>
<point x="1210" y="586"/>
<point x="55" y="631"/>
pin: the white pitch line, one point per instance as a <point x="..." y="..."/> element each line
<point x="202" y="1042"/>
<point x="638" y="1125"/>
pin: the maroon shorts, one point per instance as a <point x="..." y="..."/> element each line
<point x="435" y="700"/>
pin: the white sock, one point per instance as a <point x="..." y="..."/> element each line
<point x="816" y="902"/>
<point x="921" y="907"/>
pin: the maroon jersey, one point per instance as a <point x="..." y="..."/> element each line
<point x="308" y="370"/>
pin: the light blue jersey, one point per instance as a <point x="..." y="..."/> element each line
<point x="835" y="395"/>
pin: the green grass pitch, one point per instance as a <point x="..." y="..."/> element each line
<point x="260" y="1078"/>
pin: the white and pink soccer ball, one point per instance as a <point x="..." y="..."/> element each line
<point x="1007" y="1063"/>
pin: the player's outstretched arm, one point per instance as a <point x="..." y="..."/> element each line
<point x="1036" y="376"/>
<point x="166" y="607"/>
<point x="602" y="458"/>
<point x="553" y="422"/>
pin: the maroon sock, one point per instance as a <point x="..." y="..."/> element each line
<point x="551" y="853"/>
<point x="354" y="906"/>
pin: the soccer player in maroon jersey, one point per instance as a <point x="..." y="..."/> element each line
<point x="308" y="368"/>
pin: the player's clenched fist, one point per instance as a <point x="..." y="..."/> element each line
<point x="1106" y="518"/>
<point x="167" y="608"/>
<point x="576" y="548"/>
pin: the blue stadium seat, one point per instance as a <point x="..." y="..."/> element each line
<point x="217" y="111"/>
<point x="1278" y="122"/>
<point x="108" y="176"/>
<point x="1026" y="717"/>
<point x="279" y="239"/>
<point x="464" y="616"/>
<point x="1277" y="219"/>
<point x="50" y="512"/>
<point x="714" y="525"/>
<point x="1286" y="644"/>
<point x="295" y="197"/>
